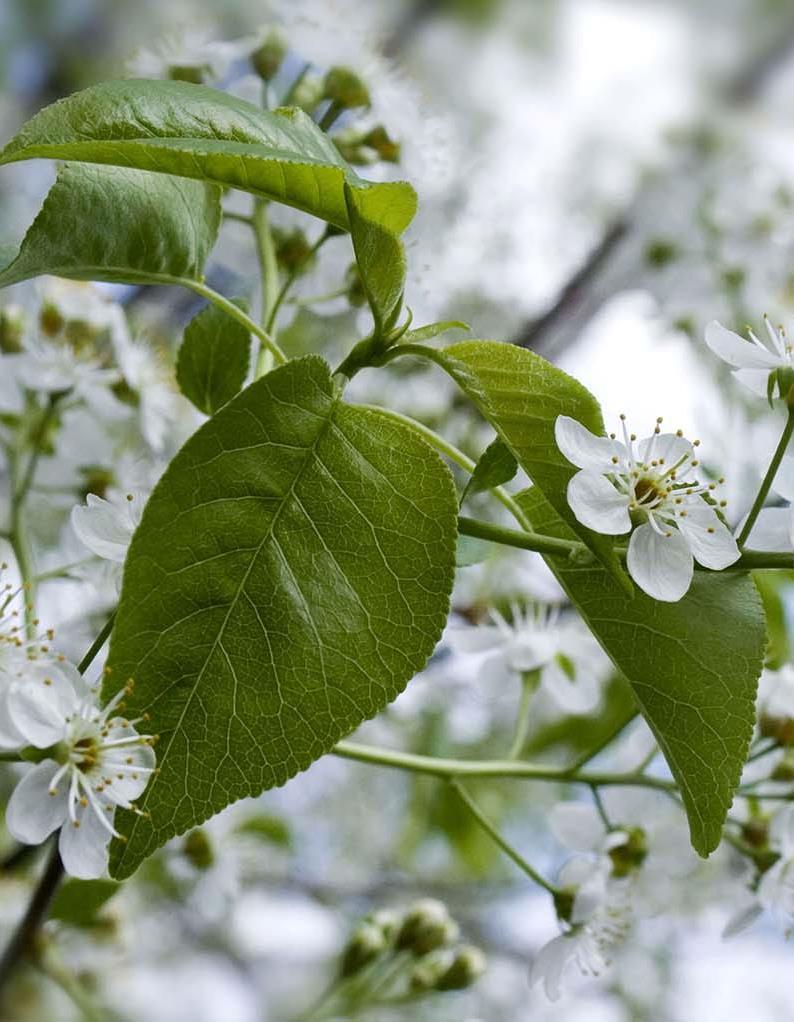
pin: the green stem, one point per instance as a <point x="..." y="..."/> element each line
<point x="330" y="116"/>
<point x="529" y="686"/>
<point x="97" y="644"/>
<point x="450" y="768"/>
<point x="497" y="838"/>
<point x="293" y="275"/>
<point x="240" y="218"/>
<point x="237" y="313"/>
<point x="768" y="479"/>
<point x="268" y="274"/>
<point x="64" y="571"/>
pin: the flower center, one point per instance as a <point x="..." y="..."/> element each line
<point x="647" y="491"/>
<point x="85" y="753"/>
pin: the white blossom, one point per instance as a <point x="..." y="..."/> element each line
<point x="651" y="493"/>
<point x="105" y="526"/>
<point x="773" y="529"/>
<point x="775" y="889"/>
<point x="537" y="638"/>
<point x="97" y="762"/>
<point x="752" y="359"/>
<point x="185" y="50"/>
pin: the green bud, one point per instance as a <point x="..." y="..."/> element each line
<point x="12" y="329"/>
<point x="186" y="73"/>
<point x="427" y="926"/>
<point x="293" y="250"/>
<point x="660" y="252"/>
<point x="197" y="848"/>
<point x="387" y="920"/>
<point x="467" y="966"/>
<point x="269" y="57"/>
<point x="308" y="93"/>
<point x="427" y="974"/>
<point x="383" y="144"/>
<point x="345" y="89"/>
<point x="366" y="944"/>
<point x="629" y="856"/>
<point x="51" y="322"/>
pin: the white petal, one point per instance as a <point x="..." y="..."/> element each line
<point x="772" y="529"/>
<point x="474" y="640"/>
<point x="10" y="738"/>
<point x="756" y="380"/>
<point x="32" y="813"/>
<point x="737" y="351"/>
<point x="784" y="478"/>
<point x="549" y="965"/>
<point x="103" y="528"/>
<point x="666" y="446"/>
<point x="84" y="849"/>
<point x="39" y="705"/>
<point x="584" y="449"/>
<point x="598" y="505"/>
<point x="661" y="565"/>
<point x="716" y="549"/>
<point x="576" y="695"/>
<point x="577" y="825"/>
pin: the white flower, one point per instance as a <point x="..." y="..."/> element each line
<point x="775" y="892"/>
<point x="149" y="376"/>
<point x="106" y="527"/>
<point x="569" y="660"/>
<point x="185" y="53"/>
<point x="773" y="530"/>
<point x="753" y="360"/>
<point x="53" y="367"/>
<point x="652" y="488"/>
<point x="98" y="762"/>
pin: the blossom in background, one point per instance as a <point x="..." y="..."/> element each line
<point x="99" y="762"/>
<point x="652" y="494"/>
<point x="186" y="54"/>
<point x="152" y="382"/>
<point x="105" y="526"/>
<point x="753" y="361"/>
<point x="567" y="657"/>
<point x="774" y="892"/>
<point x="773" y="530"/>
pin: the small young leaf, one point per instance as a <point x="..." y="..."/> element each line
<point x="496" y="466"/>
<point x="432" y="330"/>
<point x="521" y="394"/>
<point x="77" y="902"/>
<point x="197" y="132"/>
<point x="693" y="667"/>
<point x="116" y="224"/>
<point x="213" y="359"/>
<point x="291" y="573"/>
<point x="381" y="263"/>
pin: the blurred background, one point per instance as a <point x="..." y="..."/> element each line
<point x="598" y="179"/>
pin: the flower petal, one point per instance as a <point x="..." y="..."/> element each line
<point x="84" y="849"/>
<point x="598" y="505"/>
<point x="784" y="478"/>
<point x="756" y="380"/>
<point x="710" y="540"/>
<point x="772" y="530"/>
<point x="577" y="825"/>
<point x="661" y="565"/>
<point x="33" y="813"/>
<point x="549" y="965"/>
<point x="103" y="527"/>
<point x="584" y="449"/>
<point x="39" y="705"/>
<point x="667" y="448"/>
<point x="737" y="351"/>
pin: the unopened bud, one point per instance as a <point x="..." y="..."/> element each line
<point x="345" y="89"/>
<point x="269" y="57"/>
<point x="12" y="329"/>
<point x="779" y="728"/>
<point x="427" y="974"/>
<point x="387" y="920"/>
<point x="293" y="250"/>
<point x="427" y="926"/>
<point x="467" y="966"/>
<point x="197" y="849"/>
<point x="365" y="945"/>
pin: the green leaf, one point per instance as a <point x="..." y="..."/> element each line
<point x="213" y="359"/>
<point x="521" y="394"/>
<point x="77" y="902"/>
<point x="496" y="466"/>
<point x="692" y="665"/>
<point x="381" y="262"/>
<point x="290" y="574"/>
<point x="432" y="330"/>
<point x="116" y="224"/>
<point x="197" y="132"/>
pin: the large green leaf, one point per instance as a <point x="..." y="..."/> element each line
<point x="213" y="359"/>
<point x="521" y="395"/>
<point x="291" y="572"/>
<point x="115" y="224"/>
<point x="197" y="132"/>
<point x="693" y="666"/>
<point x="381" y="262"/>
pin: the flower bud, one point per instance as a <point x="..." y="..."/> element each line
<point x="194" y="74"/>
<point x="308" y="93"/>
<point x="387" y="920"/>
<point x="293" y="250"/>
<point x="630" y="854"/>
<point x="12" y="329"/>
<point x="345" y="89"/>
<point x="427" y="926"/>
<point x="198" y="850"/>
<point x="365" y="945"/>
<point x="427" y="974"/>
<point x="779" y="728"/>
<point x="269" y="56"/>
<point x="467" y="966"/>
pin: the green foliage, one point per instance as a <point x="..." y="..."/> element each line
<point x="267" y="828"/>
<point x="213" y="359"/>
<point x="496" y="466"/>
<point x="381" y="263"/>
<point x="291" y="573"/>
<point x="521" y="394"/>
<point x="118" y="224"/>
<point x="196" y="132"/>
<point x="693" y="667"/>
<point x="78" y="902"/>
